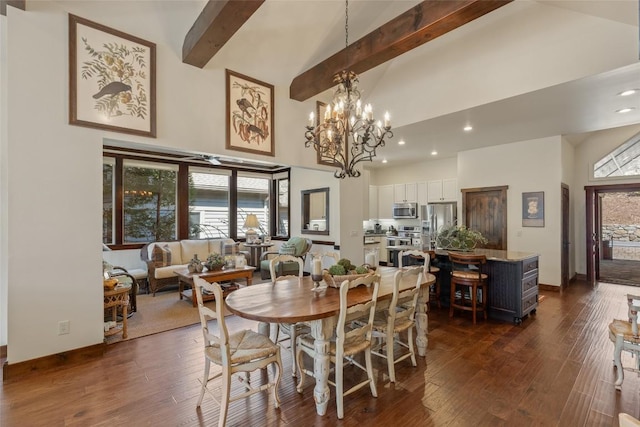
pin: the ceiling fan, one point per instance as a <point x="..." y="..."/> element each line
<point x="214" y="160"/>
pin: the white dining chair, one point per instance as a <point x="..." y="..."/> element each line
<point x="290" y="331"/>
<point x="350" y="339"/>
<point x="243" y="351"/>
<point x="399" y="317"/>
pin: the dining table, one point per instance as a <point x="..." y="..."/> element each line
<point x="297" y="299"/>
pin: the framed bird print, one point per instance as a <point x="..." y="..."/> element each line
<point x="112" y="79"/>
<point x="249" y="114"/>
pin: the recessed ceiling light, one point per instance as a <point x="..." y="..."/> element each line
<point x="628" y="92"/>
<point x="625" y="110"/>
<point x="434" y="153"/>
<point x="384" y="160"/>
<point x="468" y="128"/>
<point x="401" y="142"/>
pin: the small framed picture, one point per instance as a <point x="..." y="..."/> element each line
<point x="112" y="79"/>
<point x="533" y="209"/>
<point x="328" y="157"/>
<point x="249" y="114"/>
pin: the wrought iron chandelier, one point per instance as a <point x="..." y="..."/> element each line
<point x="348" y="133"/>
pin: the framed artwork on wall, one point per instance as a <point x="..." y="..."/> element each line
<point x="533" y="209"/>
<point x="112" y="79"/>
<point x="249" y="114"/>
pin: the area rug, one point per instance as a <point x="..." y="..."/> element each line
<point x="161" y="313"/>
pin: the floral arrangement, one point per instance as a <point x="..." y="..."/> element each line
<point x="459" y="237"/>
<point x="214" y="261"/>
<point x="344" y="270"/>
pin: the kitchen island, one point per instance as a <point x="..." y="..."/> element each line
<point x="513" y="282"/>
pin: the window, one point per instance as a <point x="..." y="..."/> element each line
<point x="108" y="200"/>
<point x="623" y="161"/>
<point x="157" y="200"/>
<point x="282" y="224"/>
<point x="208" y="203"/>
<point x="149" y="200"/>
<point x="253" y="198"/>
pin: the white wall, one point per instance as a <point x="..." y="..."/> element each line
<point x="587" y="153"/>
<point x="4" y="221"/>
<point x="414" y="172"/>
<point x="523" y="166"/>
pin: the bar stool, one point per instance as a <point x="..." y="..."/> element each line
<point x="467" y="279"/>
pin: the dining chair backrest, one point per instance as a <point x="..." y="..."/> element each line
<point x="274" y="263"/>
<point x="333" y="255"/>
<point x="210" y="340"/>
<point x="416" y="254"/>
<point x="356" y="332"/>
<point x="407" y="298"/>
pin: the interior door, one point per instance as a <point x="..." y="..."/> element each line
<point x="485" y="210"/>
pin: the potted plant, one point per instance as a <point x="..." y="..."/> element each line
<point x="459" y="237"/>
<point x="214" y="262"/>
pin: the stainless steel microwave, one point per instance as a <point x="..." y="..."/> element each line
<point x="405" y="210"/>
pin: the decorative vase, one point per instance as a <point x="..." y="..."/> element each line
<point x="195" y="265"/>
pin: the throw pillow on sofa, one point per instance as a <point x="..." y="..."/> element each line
<point x="161" y="256"/>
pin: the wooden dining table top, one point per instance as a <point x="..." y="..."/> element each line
<point x="293" y="299"/>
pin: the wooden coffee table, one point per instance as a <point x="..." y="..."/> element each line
<point x="186" y="278"/>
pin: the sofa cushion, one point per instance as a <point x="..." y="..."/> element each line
<point x="161" y="255"/>
<point x="191" y="248"/>
<point x="169" y="271"/>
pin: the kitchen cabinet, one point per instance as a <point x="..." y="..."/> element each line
<point x="373" y="202"/>
<point x="423" y="194"/>
<point x="442" y="190"/>
<point x="403" y="193"/>
<point x="385" y="202"/>
<point x="513" y="283"/>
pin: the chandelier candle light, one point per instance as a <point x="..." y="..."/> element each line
<point x="348" y="133"/>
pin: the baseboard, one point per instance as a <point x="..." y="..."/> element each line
<point x="551" y="288"/>
<point x="582" y="277"/>
<point x="3" y="351"/>
<point x="15" y="371"/>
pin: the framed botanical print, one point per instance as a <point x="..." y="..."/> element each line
<point x="112" y="79"/>
<point x="533" y="209"/>
<point x="249" y="114"/>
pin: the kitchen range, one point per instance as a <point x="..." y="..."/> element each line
<point x="409" y="237"/>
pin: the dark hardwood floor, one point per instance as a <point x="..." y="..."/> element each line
<point x="553" y="370"/>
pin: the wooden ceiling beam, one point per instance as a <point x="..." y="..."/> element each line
<point x="420" y="24"/>
<point x="20" y="4"/>
<point x="216" y="24"/>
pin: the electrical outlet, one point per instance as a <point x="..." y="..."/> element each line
<point x="63" y="327"/>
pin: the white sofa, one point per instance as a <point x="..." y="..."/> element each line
<point x="181" y="253"/>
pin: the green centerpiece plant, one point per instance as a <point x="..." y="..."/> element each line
<point x="214" y="262"/>
<point x="459" y="238"/>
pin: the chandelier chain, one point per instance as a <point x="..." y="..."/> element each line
<point x="346" y="23"/>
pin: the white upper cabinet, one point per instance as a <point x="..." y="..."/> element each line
<point x="443" y="190"/>
<point x="373" y="202"/>
<point x="423" y="193"/>
<point x="405" y="193"/>
<point x="385" y="202"/>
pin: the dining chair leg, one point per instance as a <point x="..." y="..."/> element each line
<point x="277" y="378"/>
<point x="303" y="375"/>
<point x="225" y="389"/>
<point x="293" y="339"/>
<point x="207" y="365"/>
<point x="340" y="385"/>
<point x="390" y="356"/>
<point x="411" y="347"/>
<point x="369" y="365"/>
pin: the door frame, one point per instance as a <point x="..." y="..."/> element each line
<point x="593" y="207"/>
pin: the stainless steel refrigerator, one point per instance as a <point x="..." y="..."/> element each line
<point x="433" y="217"/>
